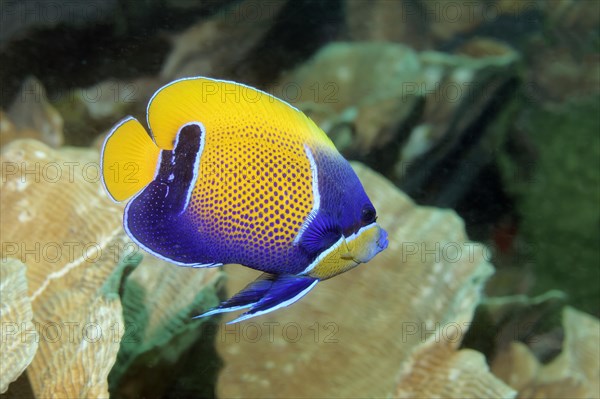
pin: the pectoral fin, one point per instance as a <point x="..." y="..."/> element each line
<point x="266" y="294"/>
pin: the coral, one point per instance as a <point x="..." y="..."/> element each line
<point x="387" y="105"/>
<point x="16" y="350"/>
<point x="561" y="51"/>
<point x="78" y="272"/>
<point x="573" y="374"/>
<point x="360" y="333"/>
<point x="459" y="88"/>
<point x="335" y="91"/>
<point x="425" y="24"/>
<point x="436" y="369"/>
<point x="8" y="130"/>
<point x="215" y="47"/>
<point x="90" y="111"/>
<point x="31" y="116"/>
<point x="72" y="272"/>
<point x="61" y="191"/>
<point x="534" y="320"/>
<point x="389" y="21"/>
<point x="76" y="362"/>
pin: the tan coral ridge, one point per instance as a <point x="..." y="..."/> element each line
<point x="391" y="327"/>
<point x="16" y="349"/>
<point x="58" y="221"/>
<point x="57" y="218"/>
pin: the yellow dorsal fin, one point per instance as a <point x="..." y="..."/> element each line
<point x="209" y="101"/>
<point x="129" y="159"/>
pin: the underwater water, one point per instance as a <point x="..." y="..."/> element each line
<point x="471" y="125"/>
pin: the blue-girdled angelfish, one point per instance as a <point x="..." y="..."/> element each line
<point x="231" y="174"/>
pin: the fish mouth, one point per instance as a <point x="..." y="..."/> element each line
<point x="371" y="241"/>
<point x="382" y="241"/>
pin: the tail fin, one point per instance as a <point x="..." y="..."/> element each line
<point x="129" y="160"/>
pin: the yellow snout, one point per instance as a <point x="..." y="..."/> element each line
<point x="349" y="252"/>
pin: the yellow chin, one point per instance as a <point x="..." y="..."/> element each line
<point x="349" y="252"/>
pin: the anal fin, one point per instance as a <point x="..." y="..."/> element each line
<point x="266" y="294"/>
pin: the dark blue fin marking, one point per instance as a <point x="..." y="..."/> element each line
<point x="179" y="167"/>
<point x="321" y="233"/>
<point x="155" y="218"/>
<point x="266" y="294"/>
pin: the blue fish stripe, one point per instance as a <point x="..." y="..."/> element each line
<point x="155" y="217"/>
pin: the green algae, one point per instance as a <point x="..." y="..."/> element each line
<point x="158" y="354"/>
<point x="115" y="283"/>
<point x="556" y="185"/>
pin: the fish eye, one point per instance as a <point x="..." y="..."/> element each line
<point x="368" y="214"/>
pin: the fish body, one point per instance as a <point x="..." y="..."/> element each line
<point x="231" y="174"/>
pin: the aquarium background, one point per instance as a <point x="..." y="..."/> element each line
<point x="473" y="125"/>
